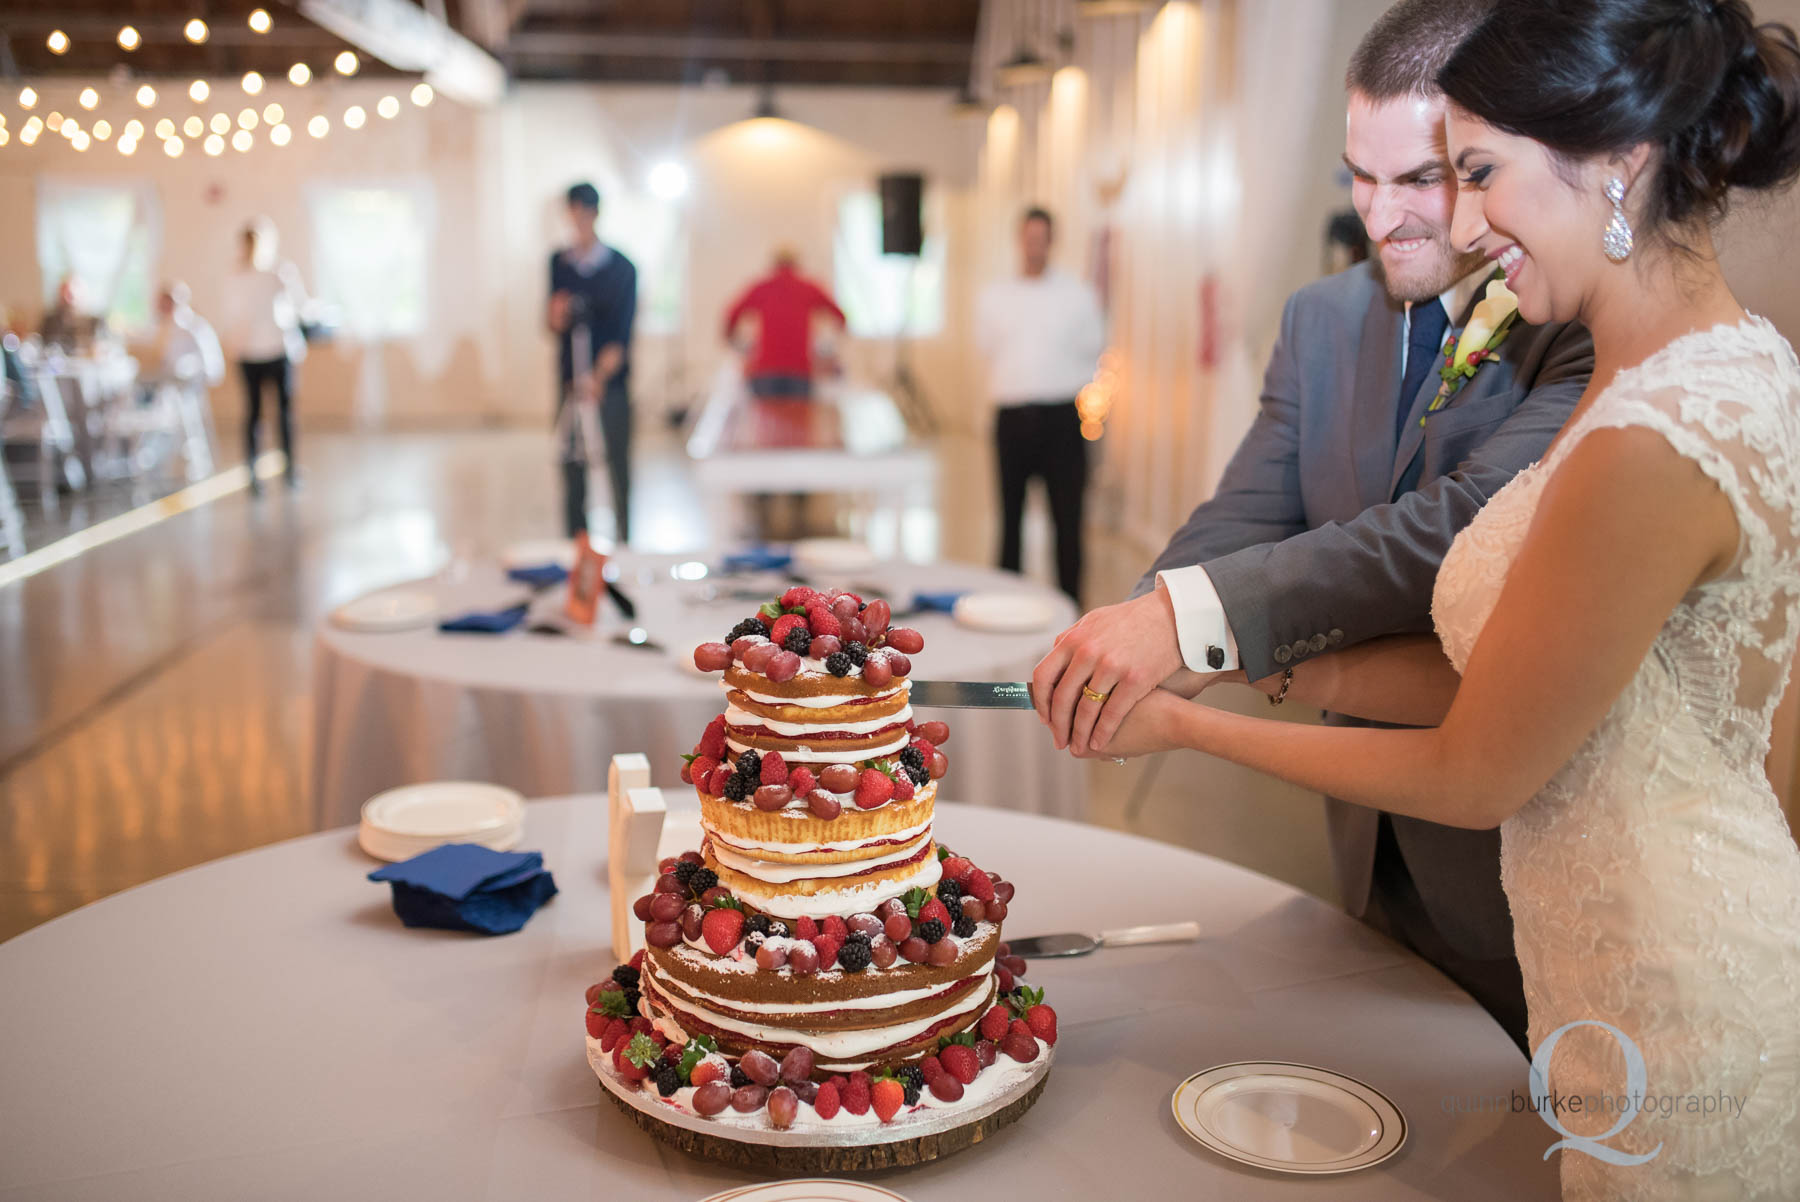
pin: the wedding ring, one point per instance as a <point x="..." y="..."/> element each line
<point x="1097" y="698"/>
<point x="1119" y="760"/>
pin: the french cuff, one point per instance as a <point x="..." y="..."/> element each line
<point x="1201" y="629"/>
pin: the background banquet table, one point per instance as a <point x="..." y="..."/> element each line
<point x="545" y="715"/>
<point x="262" y="1027"/>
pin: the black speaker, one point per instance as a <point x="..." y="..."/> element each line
<point x="901" y="197"/>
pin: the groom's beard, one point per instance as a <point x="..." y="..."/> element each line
<point x="1425" y="273"/>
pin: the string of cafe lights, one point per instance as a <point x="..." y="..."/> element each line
<point x="211" y="135"/>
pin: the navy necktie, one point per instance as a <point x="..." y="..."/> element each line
<point x="1423" y="346"/>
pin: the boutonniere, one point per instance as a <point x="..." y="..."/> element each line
<point x="1488" y="327"/>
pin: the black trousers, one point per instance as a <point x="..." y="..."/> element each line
<point x="1045" y="441"/>
<point x="280" y="373"/>
<point x="615" y="432"/>
<point x="1495" y="984"/>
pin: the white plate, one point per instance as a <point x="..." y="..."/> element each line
<point x="1292" y="1118"/>
<point x="394" y="609"/>
<point x="539" y="552"/>
<point x="808" y="1189"/>
<point x="832" y="557"/>
<point x="408" y="821"/>
<point x="1004" y="613"/>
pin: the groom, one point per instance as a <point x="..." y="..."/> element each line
<point x="1330" y="522"/>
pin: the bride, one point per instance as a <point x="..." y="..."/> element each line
<point x="1619" y="619"/>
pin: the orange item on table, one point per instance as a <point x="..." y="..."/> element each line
<point x="586" y="582"/>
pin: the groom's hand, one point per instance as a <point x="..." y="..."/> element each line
<point x="1122" y="651"/>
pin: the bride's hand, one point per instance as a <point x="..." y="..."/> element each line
<point x="1154" y="724"/>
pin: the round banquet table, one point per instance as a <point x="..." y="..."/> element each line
<point x="545" y="714"/>
<point x="263" y="1027"/>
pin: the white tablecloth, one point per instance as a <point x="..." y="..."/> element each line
<point x="545" y="715"/>
<point x="263" y="1027"/>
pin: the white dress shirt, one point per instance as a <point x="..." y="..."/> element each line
<point x="1041" y="336"/>
<point x="191" y="352"/>
<point x="1200" y="621"/>
<point x="262" y="313"/>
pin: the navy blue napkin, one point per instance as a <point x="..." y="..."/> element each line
<point x="539" y="575"/>
<point x="941" y="603"/>
<point x="480" y="621"/>
<point x="467" y="887"/>
<point x="757" y="559"/>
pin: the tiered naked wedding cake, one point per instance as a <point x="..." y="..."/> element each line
<point x="821" y="961"/>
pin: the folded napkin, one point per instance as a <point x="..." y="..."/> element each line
<point x="941" y="603"/>
<point x="538" y="575"/>
<point x="467" y="887"/>
<point x="757" y="559"/>
<point x="486" y="621"/>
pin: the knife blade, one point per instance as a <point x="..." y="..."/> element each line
<point x="1070" y="944"/>
<point x="972" y="694"/>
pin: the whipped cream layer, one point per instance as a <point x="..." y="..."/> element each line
<point x="772" y="873"/>
<point x="735" y="843"/>
<point x="736" y="718"/>
<point x="885" y="1001"/>
<point x="814" y="755"/>
<point x="843" y="902"/>
<point x="821" y="701"/>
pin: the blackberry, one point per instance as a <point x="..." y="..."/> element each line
<point x="854" y="955"/>
<point x="912" y="1080"/>
<point x="862" y="937"/>
<point x="739" y="1078"/>
<point x="779" y="929"/>
<point x="748" y="626"/>
<point x="703" y="880"/>
<point x="931" y="930"/>
<point x="965" y="927"/>
<point x="626" y="976"/>
<point x="912" y="758"/>
<point x="954" y="906"/>
<point x="684" y="872"/>
<point x="838" y="663"/>
<point x="918" y="776"/>
<point x="668" y="1078"/>
<point x="949" y="891"/>
<point x="737" y="789"/>
<point x="632" y="999"/>
<point x="749" y="766"/>
<point x="799" y="641"/>
<point x="757" y="924"/>
<point x="857" y="652"/>
<point x="753" y="940"/>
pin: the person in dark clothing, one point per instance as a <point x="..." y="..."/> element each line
<point x="593" y="301"/>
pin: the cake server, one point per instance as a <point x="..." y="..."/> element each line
<point x="1033" y="946"/>
<point x="972" y="694"/>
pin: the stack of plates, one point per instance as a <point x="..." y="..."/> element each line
<point x="394" y="609"/>
<point x="1004" y="613"/>
<point x="832" y="560"/>
<point x="405" y="822"/>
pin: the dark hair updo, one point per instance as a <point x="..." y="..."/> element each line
<point x="1698" y="80"/>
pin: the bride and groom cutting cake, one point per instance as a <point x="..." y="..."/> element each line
<point x="1520" y="511"/>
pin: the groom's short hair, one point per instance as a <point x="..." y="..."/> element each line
<point x="1409" y="44"/>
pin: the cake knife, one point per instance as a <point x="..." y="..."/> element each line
<point x="972" y="694"/>
<point x="1080" y="945"/>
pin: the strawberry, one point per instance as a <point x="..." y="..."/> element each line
<point x="722" y="929"/>
<point x="857" y="1093"/>
<point x="925" y="749"/>
<point x="712" y="1067"/>
<point x="622" y="1062"/>
<point x="774" y="769"/>
<point x="826" y="1101"/>
<point x="616" y="1031"/>
<point x="886" y="1095"/>
<point x="978" y="886"/>
<point x="822" y="621"/>
<point x="785" y="625"/>
<point x="836" y="927"/>
<point x="1039" y="1017"/>
<point x="597" y="1023"/>
<point x="903" y="788"/>
<point x="712" y="743"/>
<point x="801" y="780"/>
<point x="642" y="1026"/>
<point x="637" y="959"/>
<point x="805" y="928"/>
<point x="936" y="909"/>
<point x="961" y="1062"/>
<point x="798" y="597"/>
<point x="995" y="1022"/>
<point x="703" y="768"/>
<point x="958" y="868"/>
<point x="673" y="1053"/>
<point x="874" y="789"/>
<point x="827" y="946"/>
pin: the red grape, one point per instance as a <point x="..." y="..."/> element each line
<point x="823" y="805"/>
<point x="844" y="606"/>
<point x="749" y="1098"/>
<point x="667" y="864"/>
<point x="668" y="882"/>
<point x="662" y="934"/>
<point x="783" y="665"/>
<point x="714" y="894"/>
<point x="692" y="857"/>
<point x="915" y="949"/>
<point x="935" y="733"/>
<point x="797" y="1065"/>
<point x="825" y="645"/>
<point x="875" y="618"/>
<point x="712" y="657"/>
<point x="986" y="1052"/>
<point x="666" y="907"/>
<point x="840" y="778"/>
<point x="803" y="958"/>
<point x="891" y="907"/>
<point x="783" y="1106"/>
<point x="641" y="907"/>
<point x="692" y="920"/>
<point x="757" y="658"/>
<point x="853" y="631"/>
<point x="882" y="952"/>
<point x="901" y="665"/>
<point x="866" y="924"/>
<point x="1003" y="892"/>
<point x="946" y="1087"/>
<point x="593" y="993"/>
<point x="939" y="765"/>
<point x="772" y="797"/>
<point x="770" y="957"/>
<point x="974" y="909"/>
<point x="996" y="911"/>
<point x="905" y="638"/>
<point x="712" y="1098"/>
<point x="898" y="926"/>
<point x="760" y="1067"/>
<point x="877" y="671"/>
<point x="741" y="647"/>
<point x="941" y="953"/>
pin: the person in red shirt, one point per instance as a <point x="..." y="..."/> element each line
<point x="784" y="302"/>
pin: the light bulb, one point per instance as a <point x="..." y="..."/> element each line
<point x="214" y="145"/>
<point x="127" y="146"/>
<point x="280" y="135"/>
<point x="80" y="140"/>
<point x="27" y="97"/>
<point x="199" y="90"/>
<point x="388" y="107"/>
<point x="4" y="136"/>
<point x="299" y="75"/>
<point x="29" y="135"/>
<point x="58" y="41"/>
<point x="242" y="140"/>
<point x="253" y="82"/>
<point x="346" y="62"/>
<point x="54" y="120"/>
<point x="129" y="39"/>
<point x="194" y="31"/>
<point x="319" y="126"/>
<point x="259" y="20"/>
<point x="146" y="96"/>
<point x="421" y="94"/>
<point x="89" y="98"/>
<point x="103" y="129"/>
<point x="173" y="147"/>
<point x="134" y="129"/>
<point x="165" y="129"/>
<point x="272" y="114"/>
<point x="247" y="119"/>
<point x="354" y="117"/>
<point x="193" y="127"/>
<point x="220" y="123"/>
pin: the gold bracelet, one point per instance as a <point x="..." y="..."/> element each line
<point x="1287" y="678"/>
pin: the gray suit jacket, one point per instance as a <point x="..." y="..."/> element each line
<point x="1312" y="545"/>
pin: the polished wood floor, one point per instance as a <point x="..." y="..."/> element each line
<point x="155" y="697"/>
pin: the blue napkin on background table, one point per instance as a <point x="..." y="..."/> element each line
<point x="480" y="621"/>
<point x="467" y="887"/>
<point x="538" y="575"/>
<point x="941" y="603"/>
<point x="757" y="559"/>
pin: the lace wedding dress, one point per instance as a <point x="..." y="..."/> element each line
<point x="1653" y="882"/>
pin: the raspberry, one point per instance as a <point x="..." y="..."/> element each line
<point x="712" y="743"/>
<point x="1042" y="1021"/>
<point x="616" y="1030"/>
<point x="960" y="1061"/>
<point x="958" y="868"/>
<point x="995" y="1022"/>
<point x="597" y="1024"/>
<point x="873" y="789"/>
<point x="931" y="1066"/>
<point x="821" y="621"/>
<point x="978" y="886"/>
<point x="858" y="1093"/>
<point x="828" y="947"/>
<point x="722" y="929"/>
<point x="775" y="771"/>
<point x="721" y="776"/>
<point x="886" y="1096"/>
<point x="836" y="927"/>
<point x="801" y="780"/>
<point x="784" y="626"/>
<point x="641" y="1026"/>
<point x="904" y="789"/>
<point x="827" y="1101"/>
<point x="805" y="928"/>
<point x="799" y="597"/>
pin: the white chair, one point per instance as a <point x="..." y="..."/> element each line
<point x="12" y="522"/>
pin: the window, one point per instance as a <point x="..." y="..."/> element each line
<point x="885" y="296"/>
<point x="105" y="235"/>
<point x="650" y="233"/>
<point x="369" y="250"/>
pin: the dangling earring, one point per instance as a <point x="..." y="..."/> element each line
<point x="1617" y="239"/>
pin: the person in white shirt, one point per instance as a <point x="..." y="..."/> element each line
<point x="190" y="348"/>
<point x="263" y="302"/>
<point x="1041" y="333"/>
